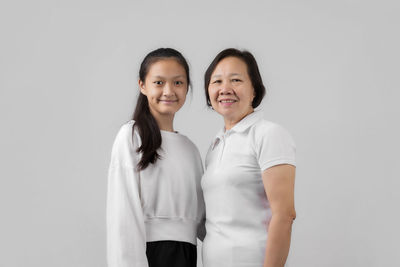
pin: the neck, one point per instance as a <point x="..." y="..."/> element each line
<point x="165" y="122"/>
<point x="230" y="122"/>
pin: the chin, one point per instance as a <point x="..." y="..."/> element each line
<point x="168" y="111"/>
<point x="226" y="113"/>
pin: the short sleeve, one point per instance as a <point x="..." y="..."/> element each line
<point x="274" y="145"/>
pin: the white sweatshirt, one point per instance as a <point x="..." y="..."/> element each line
<point x="162" y="202"/>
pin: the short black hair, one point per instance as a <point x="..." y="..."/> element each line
<point x="252" y="70"/>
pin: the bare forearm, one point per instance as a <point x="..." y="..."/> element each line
<point x="278" y="243"/>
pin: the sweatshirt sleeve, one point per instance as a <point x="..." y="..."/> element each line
<point x="126" y="236"/>
<point x="201" y="229"/>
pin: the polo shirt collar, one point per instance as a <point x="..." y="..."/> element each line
<point x="241" y="126"/>
<point x="246" y="122"/>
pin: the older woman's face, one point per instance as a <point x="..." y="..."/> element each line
<point x="230" y="89"/>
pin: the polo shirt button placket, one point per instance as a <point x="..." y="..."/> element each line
<point x="222" y="149"/>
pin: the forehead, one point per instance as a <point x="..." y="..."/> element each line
<point x="166" y="67"/>
<point x="230" y="65"/>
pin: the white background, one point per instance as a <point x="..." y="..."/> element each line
<point x="68" y="81"/>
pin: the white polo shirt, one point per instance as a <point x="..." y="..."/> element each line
<point x="237" y="208"/>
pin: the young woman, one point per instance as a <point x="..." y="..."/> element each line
<point x="248" y="184"/>
<point x="155" y="204"/>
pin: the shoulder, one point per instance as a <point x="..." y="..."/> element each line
<point x="183" y="145"/>
<point x="264" y="130"/>
<point x="126" y="139"/>
<point x="124" y="133"/>
<point x="188" y="143"/>
<point x="265" y="127"/>
<point x="126" y="128"/>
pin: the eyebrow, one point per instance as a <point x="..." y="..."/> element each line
<point x="175" y="77"/>
<point x="230" y="75"/>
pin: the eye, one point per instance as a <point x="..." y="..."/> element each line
<point x="158" y="82"/>
<point x="178" y="83"/>
<point x="217" y="81"/>
<point x="236" y="80"/>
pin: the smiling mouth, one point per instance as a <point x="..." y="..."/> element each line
<point x="167" y="101"/>
<point x="227" y="101"/>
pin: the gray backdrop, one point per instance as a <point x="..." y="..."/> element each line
<point x="69" y="80"/>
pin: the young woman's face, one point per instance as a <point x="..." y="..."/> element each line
<point x="230" y="89"/>
<point x="165" y="87"/>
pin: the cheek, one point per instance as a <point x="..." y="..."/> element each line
<point x="182" y="92"/>
<point x="152" y="97"/>
<point x="157" y="94"/>
<point x="182" y="97"/>
<point x="247" y="94"/>
<point x="151" y="93"/>
<point x="152" y="100"/>
<point x="212" y="93"/>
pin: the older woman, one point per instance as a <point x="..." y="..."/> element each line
<point x="248" y="185"/>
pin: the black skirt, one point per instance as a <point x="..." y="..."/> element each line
<point x="171" y="254"/>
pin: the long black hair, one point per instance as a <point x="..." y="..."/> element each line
<point x="145" y="123"/>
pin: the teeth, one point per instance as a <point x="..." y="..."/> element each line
<point x="227" y="101"/>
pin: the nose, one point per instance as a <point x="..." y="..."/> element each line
<point x="226" y="89"/>
<point x="168" y="90"/>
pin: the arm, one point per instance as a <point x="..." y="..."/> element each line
<point x="279" y="187"/>
<point x="126" y="236"/>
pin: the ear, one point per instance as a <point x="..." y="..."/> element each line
<point x="142" y="87"/>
